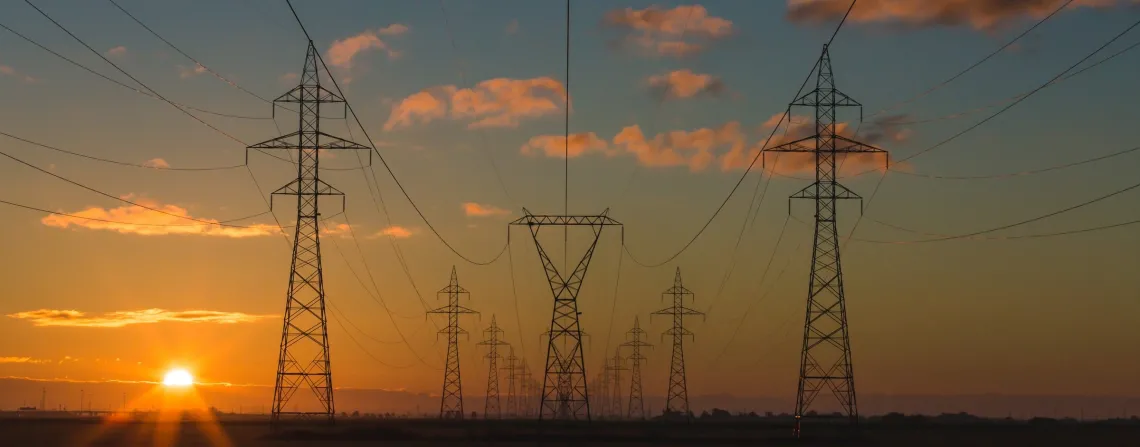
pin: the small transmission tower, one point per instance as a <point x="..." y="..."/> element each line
<point x="678" y="398"/>
<point x="825" y="359"/>
<point x="512" y="384"/>
<point x="304" y="351"/>
<point x="636" y="342"/>
<point x="451" y="401"/>
<point x="564" y="391"/>
<point x="492" y="342"/>
<point x="616" y="367"/>
<point x="526" y="393"/>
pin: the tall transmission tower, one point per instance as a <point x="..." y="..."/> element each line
<point x="825" y="359"/>
<point x="492" y="341"/>
<point x="616" y="367"/>
<point x="678" y="398"/>
<point x="564" y="391"/>
<point x="636" y="342"/>
<point x="512" y="384"/>
<point x="451" y="400"/>
<point x="526" y="391"/>
<point x="304" y="352"/>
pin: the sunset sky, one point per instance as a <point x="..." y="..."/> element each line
<point x="666" y="113"/>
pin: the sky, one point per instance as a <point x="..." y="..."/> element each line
<point x="668" y="103"/>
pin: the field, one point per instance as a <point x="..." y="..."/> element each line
<point x="77" y="432"/>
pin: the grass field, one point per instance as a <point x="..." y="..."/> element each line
<point x="76" y="432"/>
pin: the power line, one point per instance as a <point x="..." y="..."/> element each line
<point x="1021" y="173"/>
<point x="978" y="63"/>
<point x="750" y="165"/>
<point x="878" y="184"/>
<point x="116" y="162"/>
<point x="404" y="191"/>
<point x="120" y="84"/>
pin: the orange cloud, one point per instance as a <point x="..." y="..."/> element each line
<point x="685" y="84"/>
<point x="978" y="14"/>
<point x="695" y="149"/>
<point x="157" y="163"/>
<point x="6" y="70"/>
<point x="556" y="146"/>
<point x="394" y="231"/>
<point x="186" y="72"/>
<point x="75" y="318"/>
<point x="336" y="230"/>
<point x="342" y="52"/>
<point x="476" y="210"/>
<point x="874" y="132"/>
<point x="131" y="219"/>
<point x="669" y="32"/>
<point x="499" y="102"/>
<point x="118" y="51"/>
<point x="27" y="360"/>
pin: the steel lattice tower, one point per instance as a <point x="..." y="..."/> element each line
<point x="616" y="367"/>
<point x="678" y="398"/>
<point x="492" y="342"/>
<point x="451" y="401"/>
<point x="512" y="384"/>
<point x="526" y="402"/>
<point x="825" y="360"/>
<point x="635" y="343"/>
<point x="603" y="382"/>
<point x="564" y="391"/>
<point x="304" y="351"/>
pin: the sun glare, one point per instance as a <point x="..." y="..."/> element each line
<point x="178" y="378"/>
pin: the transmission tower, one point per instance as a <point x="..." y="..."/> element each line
<point x="526" y="402"/>
<point x="304" y="351"/>
<point x="603" y="382"/>
<point x="616" y="367"/>
<point x="678" y="398"/>
<point x="512" y="384"/>
<point x="825" y="360"/>
<point x="564" y="391"/>
<point x="635" y="343"/>
<point x="451" y="401"/>
<point x="492" y="342"/>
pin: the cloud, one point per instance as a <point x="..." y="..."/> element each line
<point x="695" y="149"/>
<point x="876" y="132"/>
<point x="473" y="209"/>
<point x="336" y="230"/>
<point x="342" y="52"/>
<point x="394" y="231"/>
<point x="512" y="27"/>
<point x="188" y="72"/>
<point x="27" y="360"/>
<point x="288" y="78"/>
<point x="977" y="14"/>
<point x="676" y="32"/>
<point x="118" y="51"/>
<point x="499" y="102"/>
<point x="685" y="84"/>
<point x="555" y="146"/>
<point x="6" y="70"/>
<point x="157" y="163"/>
<point x="75" y="318"/>
<point x="131" y="219"/>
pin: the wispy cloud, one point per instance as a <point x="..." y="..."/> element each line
<point x="395" y="231"/>
<point x="75" y="318"/>
<point x="27" y="360"/>
<point x="131" y="219"/>
<point x="189" y="72"/>
<point x="473" y="209"/>
<point x="116" y="52"/>
<point x="156" y="163"/>
<point x="8" y="71"/>
<point x="685" y="84"/>
<point x="512" y="27"/>
<point x="977" y="14"/>
<point x="499" y="102"/>
<point x="682" y="31"/>
<point x="343" y="52"/>
<point x="558" y="146"/>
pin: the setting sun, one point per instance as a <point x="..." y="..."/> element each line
<point x="178" y="378"/>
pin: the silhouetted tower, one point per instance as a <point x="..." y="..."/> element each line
<point x="451" y="400"/>
<point x="635" y="343"/>
<point x="512" y="384"/>
<point x="825" y="359"/>
<point x="603" y="383"/>
<point x="678" y="398"/>
<point x="616" y="367"/>
<point x="526" y="392"/>
<point x="303" y="361"/>
<point x="492" y="341"/>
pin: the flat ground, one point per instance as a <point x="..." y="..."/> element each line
<point x="83" y="432"/>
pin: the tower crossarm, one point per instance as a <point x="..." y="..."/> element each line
<point x="325" y="141"/>
<point x="821" y="97"/>
<point x="302" y="93"/>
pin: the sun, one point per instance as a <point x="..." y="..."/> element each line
<point x="178" y="378"/>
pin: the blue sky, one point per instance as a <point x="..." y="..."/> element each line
<point x="950" y="304"/>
